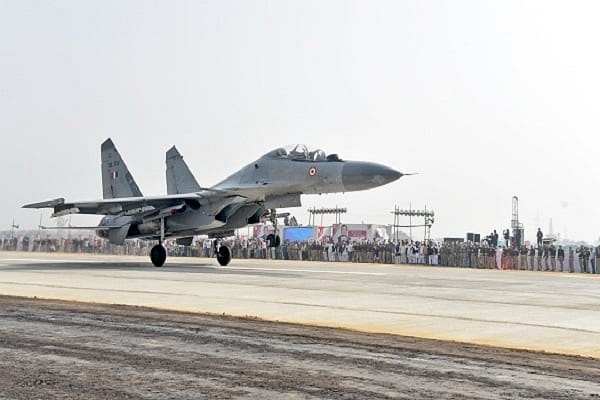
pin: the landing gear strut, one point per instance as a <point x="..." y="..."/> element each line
<point x="273" y="239"/>
<point x="158" y="254"/>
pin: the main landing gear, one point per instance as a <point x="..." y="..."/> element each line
<point x="158" y="254"/>
<point x="223" y="255"/>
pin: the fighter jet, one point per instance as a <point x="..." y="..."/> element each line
<point x="275" y="180"/>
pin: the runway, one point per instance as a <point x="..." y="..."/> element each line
<point x="552" y="312"/>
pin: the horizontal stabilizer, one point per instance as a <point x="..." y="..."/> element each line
<point x="46" y="204"/>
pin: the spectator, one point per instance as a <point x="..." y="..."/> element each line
<point x="561" y="257"/>
<point x="540" y="237"/>
<point x="552" y="251"/>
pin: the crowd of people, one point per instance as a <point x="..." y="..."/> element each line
<point x="487" y="254"/>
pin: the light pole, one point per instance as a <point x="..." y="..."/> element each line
<point x="322" y="211"/>
<point x="427" y="214"/>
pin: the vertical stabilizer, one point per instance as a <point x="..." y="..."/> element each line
<point x="117" y="181"/>
<point x="179" y="177"/>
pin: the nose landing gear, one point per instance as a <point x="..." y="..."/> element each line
<point x="273" y="239"/>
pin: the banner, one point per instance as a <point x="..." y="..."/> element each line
<point x="352" y="232"/>
<point x="298" y="233"/>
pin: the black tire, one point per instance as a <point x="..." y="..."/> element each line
<point x="273" y="241"/>
<point x="158" y="255"/>
<point x="223" y="255"/>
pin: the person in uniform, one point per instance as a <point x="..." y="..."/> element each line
<point x="571" y="260"/>
<point x="561" y="257"/>
<point x="475" y="256"/>
<point x="488" y="257"/>
<point x="539" y="258"/>
<point x="586" y="259"/>
<point x="552" y="251"/>
<point x="580" y="252"/>
<point x="531" y="258"/>
<point x="523" y="258"/>
<point x="494" y="239"/>
<point x="514" y="257"/>
<point x="545" y="256"/>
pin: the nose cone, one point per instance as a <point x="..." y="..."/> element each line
<point x="359" y="175"/>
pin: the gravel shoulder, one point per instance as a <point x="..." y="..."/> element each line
<point x="64" y="350"/>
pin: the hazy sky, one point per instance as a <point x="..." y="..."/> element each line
<point x="485" y="99"/>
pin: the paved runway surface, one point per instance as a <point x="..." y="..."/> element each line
<point x="553" y="312"/>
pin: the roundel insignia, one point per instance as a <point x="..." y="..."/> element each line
<point x="312" y="171"/>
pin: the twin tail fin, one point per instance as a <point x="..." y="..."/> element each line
<point x="117" y="181"/>
<point x="179" y="177"/>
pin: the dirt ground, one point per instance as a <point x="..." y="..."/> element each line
<point x="64" y="350"/>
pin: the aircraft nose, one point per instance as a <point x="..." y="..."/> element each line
<point x="359" y="175"/>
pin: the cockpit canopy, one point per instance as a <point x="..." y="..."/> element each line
<point x="300" y="152"/>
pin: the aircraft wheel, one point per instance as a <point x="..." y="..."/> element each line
<point x="224" y="255"/>
<point x="270" y="240"/>
<point x="158" y="255"/>
<point x="273" y="241"/>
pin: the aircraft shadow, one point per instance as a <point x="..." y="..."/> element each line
<point x="200" y="268"/>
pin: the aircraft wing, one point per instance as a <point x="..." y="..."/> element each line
<point x="91" y="228"/>
<point x="138" y="205"/>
